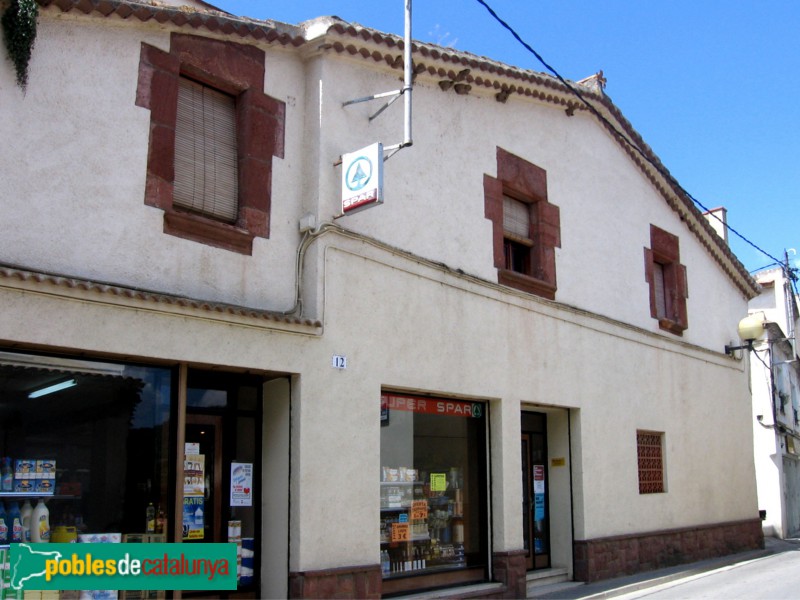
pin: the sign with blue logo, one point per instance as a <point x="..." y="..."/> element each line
<point x="362" y="178"/>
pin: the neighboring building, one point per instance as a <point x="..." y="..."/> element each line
<point x="775" y="384"/>
<point x="517" y="361"/>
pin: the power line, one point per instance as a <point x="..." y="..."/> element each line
<point x="622" y="136"/>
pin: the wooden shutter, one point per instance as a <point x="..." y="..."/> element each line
<point x="206" y="174"/>
<point x="660" y="292"/>
<point x="516" y="217"/>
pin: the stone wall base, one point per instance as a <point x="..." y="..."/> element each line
<point x="510" y="569"/>
<point x="616" y="556"/>
<point x="344" y="582"/>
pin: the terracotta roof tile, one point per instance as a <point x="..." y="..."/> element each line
<point x="15" y="272"/>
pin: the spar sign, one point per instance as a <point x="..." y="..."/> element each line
<point x="362" y="179"/>
<point x="432" y="406"/>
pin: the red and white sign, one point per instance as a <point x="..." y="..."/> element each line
<point x="362" y="178"/>
<point x="432" y="406"/>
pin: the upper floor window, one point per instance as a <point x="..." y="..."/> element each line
<point x="213" y="133"/>
<point x="205" y="152"/>
<point x="526" y="227"/>
<point x="666" y="278"/>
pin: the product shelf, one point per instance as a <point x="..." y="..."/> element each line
<point x="34" y="495"/>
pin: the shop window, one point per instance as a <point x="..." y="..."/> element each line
<point x="105" y="428"/>
<point x="667" y="280"/>
<point x="526" y="227"/>
<point x="433" y="502"/>
<point x="230" y="211"/>
<point x="650" y="452"/>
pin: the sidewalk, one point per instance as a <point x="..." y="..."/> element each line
<point x="625" y="585"/>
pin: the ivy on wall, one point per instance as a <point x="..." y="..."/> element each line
<point x="19" y="31"/>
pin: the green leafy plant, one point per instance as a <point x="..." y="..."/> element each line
<point x="19" y="30"/>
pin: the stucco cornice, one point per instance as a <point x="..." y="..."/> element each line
<point x="14" y="277"/>
<point x="474" y="73"/>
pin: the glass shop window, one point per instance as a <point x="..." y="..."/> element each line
<point x="434" y="523"/>
<point x="90" y="440"/>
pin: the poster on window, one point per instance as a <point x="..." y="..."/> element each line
<point x="241" y="484"/>
<point x="193" y="518"/>
<point x="194" y="475"/>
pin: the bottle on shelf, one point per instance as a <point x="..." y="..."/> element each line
<point x="40" y="523"/>
<point x="14" y="523"/>
<point x="6" y="475"/>
<point x="3" y="527"/>
<point x="385" y="562"/>
<point x="150" y="518"/>
<point x="25" y="514"/>
<point x="161" y="520"/>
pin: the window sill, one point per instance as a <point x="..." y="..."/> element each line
<point x="526" y="283"/>
<point x="208" y="231"/>
<point x="672" y="326"/>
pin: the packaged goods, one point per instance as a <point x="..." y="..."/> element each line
<point x="100" y="538"/>
<point x="24" y="468"/>
<point x="46" y="468"/>
<point x="23" y="486"/>
<point x="44" y="486"/>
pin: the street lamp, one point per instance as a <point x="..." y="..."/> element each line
<point x="750" y="329"/>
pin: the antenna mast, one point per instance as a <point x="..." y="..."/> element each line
<point x="408" y="77"/>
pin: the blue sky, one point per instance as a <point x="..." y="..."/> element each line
<point x="712" y="86"/>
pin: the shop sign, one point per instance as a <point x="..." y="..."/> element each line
<point x="241" y="484"/>
<point x="433" y="406"/>
<point x="32" y="569"/>
<point x="362" y="179"/>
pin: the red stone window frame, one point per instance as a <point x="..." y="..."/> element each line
<point x="670" y="311"/>
<point x="650" y="455"/>
<point x="525" y="182"/>
<point x="237" y="70"/>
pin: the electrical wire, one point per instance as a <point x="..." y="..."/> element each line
<point x="625" y="138"/>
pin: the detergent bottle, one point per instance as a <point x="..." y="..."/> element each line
<point x="40" y="523"/>
<point x="14" y="523"/>
<point x="3" y="526"/>
<point x="25" y="514"/>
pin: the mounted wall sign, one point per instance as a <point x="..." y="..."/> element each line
<point x="362" y="179"/>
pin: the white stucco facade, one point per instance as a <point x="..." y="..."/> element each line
<point x="775" y="384"/>
<point x="408" y="291"/>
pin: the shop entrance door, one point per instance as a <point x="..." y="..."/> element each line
<point x="205" y="476"/>
<point x="535" y="509"/>
<point x="222" y="469"/>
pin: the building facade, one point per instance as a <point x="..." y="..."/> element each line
<point x="508" y="369"/>
<point x="775" y="384"/>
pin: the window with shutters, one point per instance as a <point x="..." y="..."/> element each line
<point x="526" y="227"/>
<point x="650" y="454"/>
<point x="213" y="135"/>
<point x="205" y="152"/>
<point x="666" y="278"/>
